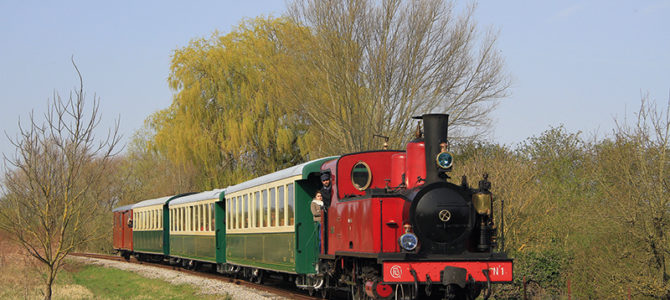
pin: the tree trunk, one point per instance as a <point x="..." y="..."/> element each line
<point x="50" y="281"/>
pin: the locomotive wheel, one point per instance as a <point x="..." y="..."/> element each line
<point x="325" y="290"/>
<point x="357" y="293"/>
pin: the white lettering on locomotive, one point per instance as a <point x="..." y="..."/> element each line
<point x="396" y="271"/>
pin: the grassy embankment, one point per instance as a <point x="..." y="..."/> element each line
<point x="20" y="279"/>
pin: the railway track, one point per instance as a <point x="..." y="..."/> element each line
<point x="272" y="286"/>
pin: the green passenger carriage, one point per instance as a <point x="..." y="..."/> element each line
<point x="269" y="224"/>
<point x="150" y="236"/>
<point x="194" y="226"/>
<point x="148" y="226"/>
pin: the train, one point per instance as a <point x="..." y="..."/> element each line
<point x="394" y="226"/>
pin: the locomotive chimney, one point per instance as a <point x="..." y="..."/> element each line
<point x="435" y="133"/>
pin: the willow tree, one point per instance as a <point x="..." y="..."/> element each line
<point x="50" y="200"/>
<point x="378" y="63"/>
<point x="227" y="118"/>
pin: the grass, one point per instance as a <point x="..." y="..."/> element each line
<point x="111" y="283"/>
<point x="20" y="278"/>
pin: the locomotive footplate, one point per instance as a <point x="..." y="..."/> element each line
<point x="403" y="271"/>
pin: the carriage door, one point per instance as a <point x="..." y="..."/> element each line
<point x="220" y="220"/>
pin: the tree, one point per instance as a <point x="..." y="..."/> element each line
<point x="145" y="173"/>
<point x="48" y="196"/>
<point x="632" y="176"/>
<point x="227" y="118"/>
<point x="375" y="64"/>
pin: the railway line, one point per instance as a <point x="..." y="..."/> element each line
<point x="274" y="286"/>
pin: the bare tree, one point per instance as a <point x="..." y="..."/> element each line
<point x="49" y="204"/>
<point x="378" y="63"/>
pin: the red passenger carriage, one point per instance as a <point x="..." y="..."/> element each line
<point x="123" y="230"/>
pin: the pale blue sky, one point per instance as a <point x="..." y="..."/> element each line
<point x="577" y="63"/>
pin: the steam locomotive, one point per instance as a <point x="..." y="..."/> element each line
<point x="396" y="224"/>
<point x="394" y="227"/>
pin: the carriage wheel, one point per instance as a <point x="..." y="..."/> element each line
<point x="258" y="278"/>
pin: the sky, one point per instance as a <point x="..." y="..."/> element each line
<point x="580" y="64"/>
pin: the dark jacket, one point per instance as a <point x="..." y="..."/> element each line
<point x="326" y="192"/>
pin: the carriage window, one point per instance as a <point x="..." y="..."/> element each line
<point x="259" y="211"/>
<point x="201" y="218"/>
<point x="266" y="207"/>
<point x="280" y="199"/>
<point x="281" y="210"/>
<point x="228" y="218"/>
<point x="233" y="213"/>
<point x="182" y="218"/>
<point x="198" y="218"/>
<point x="189" y="219"/>
<point x="227" y="214"/>
<point x="291" y="201"/>
<point x="238" y="213"/>
<point x="361" y="176"/>
<point x="212" y="217"/>
<point x="194" y="218"/>
<point x="245" y="211"/>
<point x="273" y="199"/>
<point x="205" y="217"/>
